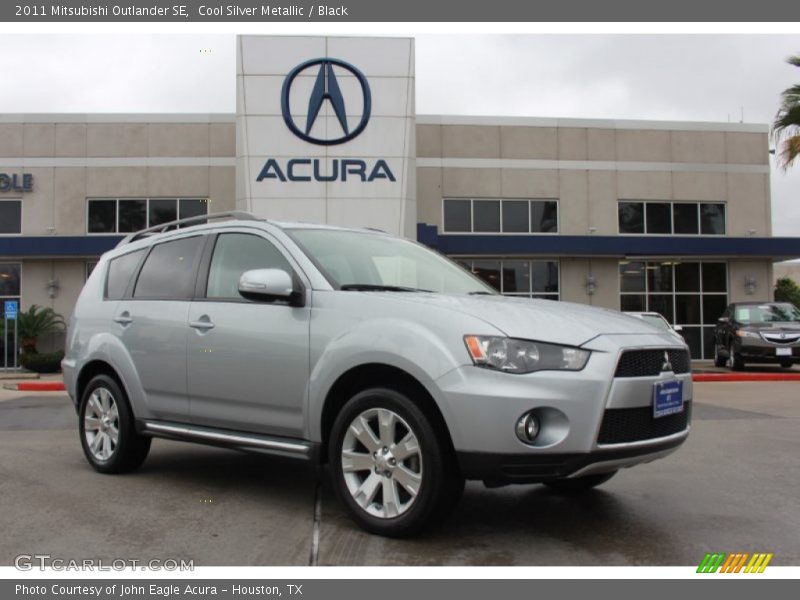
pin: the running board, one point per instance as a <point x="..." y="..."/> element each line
<point x="229" y="439"/>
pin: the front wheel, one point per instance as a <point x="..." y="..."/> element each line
<point x="579" y="484"/>
<point x="735" y="361"/>
<point x="391" y="469"/>
<point x="108" y="435"/>
<point x="786" y="364"/>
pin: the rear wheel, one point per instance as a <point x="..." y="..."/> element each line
<point x="786" y="364"/>
<point x="108" y="435"/>
<point x="579" y="484"/>
<point x="391" y="469"/>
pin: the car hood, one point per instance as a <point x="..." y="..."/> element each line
<point x="773" y="325"/>
<point x="544" y="320"/>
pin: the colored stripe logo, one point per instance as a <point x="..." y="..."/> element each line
<point x="735" y="562"/>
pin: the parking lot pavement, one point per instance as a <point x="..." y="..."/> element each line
<point x="731" y="487"/>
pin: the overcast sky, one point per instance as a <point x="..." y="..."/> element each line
<point x="675" y="77"/>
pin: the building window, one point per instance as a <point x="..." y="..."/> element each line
<point x="463" y="215"/>
<point x="126" y="215"/>
<point x="671" y="218"/>
<point x="10" y="216"/>
<point x="528" y="278"/>
<point x="690" y="294"/>
<point x="9" y="290"/>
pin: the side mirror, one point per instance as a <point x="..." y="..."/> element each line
<point x="678" y="327"/>
<point x="268" y="285"/>
<point x="723" y="320"/>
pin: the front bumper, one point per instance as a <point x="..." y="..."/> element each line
<point x="590" y="420"/>
<point x="759" y="351"/>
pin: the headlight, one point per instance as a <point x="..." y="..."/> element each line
<point x="522" y="356"/>
<point x="746" y="334"/>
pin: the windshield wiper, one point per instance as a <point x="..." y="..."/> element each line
<point x="481" y="293"/>
<point x="371" y="287"/>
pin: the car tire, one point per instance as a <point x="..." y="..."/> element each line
<point x="107" y="430"/>
<point x="579" y="484"/>
<point x="391" y="469"/>
<point x="786" y="364"/>
<point x="735" y="361"/>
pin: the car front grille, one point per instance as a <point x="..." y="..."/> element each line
<point x="782" y="337"/>
<point x="621" y="425"/>
<point x="649" y="363"/>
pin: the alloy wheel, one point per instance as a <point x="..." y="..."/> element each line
<point x="101" y="424"/>
<point x="382" y="463"/>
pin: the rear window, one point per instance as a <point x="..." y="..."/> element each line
<point x="120" y="271"/>
<point x="169" y="271"/>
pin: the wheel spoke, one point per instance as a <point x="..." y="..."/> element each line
<point x="363" y="432"/>
<point x="391" y="499"/>
<point x="408" y="479"/>
<point x="386" y="424"/>
<point x="113" y="414"/>
<point x="91" y="423"/>
<point x="408" y="446"/>
<point x="356" y="461"/>
<point x="96" y="442"/>
<point x="113" y="433"/>
<point x="94" y="404"/>
<point x="365" y="494"/>
<point x="104" y="399"/>
<point x="105" y="450"/>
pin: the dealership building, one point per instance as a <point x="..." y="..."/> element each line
<point x="672" y="217"/>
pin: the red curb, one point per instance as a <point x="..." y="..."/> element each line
<point x="708" y="377"/>
<point x="40" y="386"/>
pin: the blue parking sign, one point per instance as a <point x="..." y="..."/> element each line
<point x="12" y="308"/>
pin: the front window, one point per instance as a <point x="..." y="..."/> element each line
<point x="354" y="259"/>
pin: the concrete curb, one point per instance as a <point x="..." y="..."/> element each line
<point x="35" y="386"/>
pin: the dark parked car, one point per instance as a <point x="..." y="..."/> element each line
<point x="753" y="332"/>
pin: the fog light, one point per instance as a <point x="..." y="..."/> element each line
<point x="527" y="428"/>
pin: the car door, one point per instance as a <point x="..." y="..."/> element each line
<point x="151" y="323"/>
<point x="248" y="361"/>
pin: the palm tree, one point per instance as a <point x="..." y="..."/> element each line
<point x="786" y="127"/>
<point x="34" y="323"/>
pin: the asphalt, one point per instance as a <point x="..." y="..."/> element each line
<point x="732" y="487"/>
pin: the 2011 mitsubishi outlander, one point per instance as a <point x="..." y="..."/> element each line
<point x="401" y="370"/>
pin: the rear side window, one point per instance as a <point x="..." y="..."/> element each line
<point x="170" y="269"/>
<point x="120" y="271"/>
<point x="235" y="253"/>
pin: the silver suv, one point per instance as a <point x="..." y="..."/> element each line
<point x="401" y="370"/>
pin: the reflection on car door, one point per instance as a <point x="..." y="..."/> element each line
<point x="247" y="361"/>
<point x="152" y="324"/>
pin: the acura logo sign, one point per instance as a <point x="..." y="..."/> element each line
<point x="326" y="89"/>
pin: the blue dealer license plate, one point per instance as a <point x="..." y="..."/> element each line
<point x="667" y="398"/>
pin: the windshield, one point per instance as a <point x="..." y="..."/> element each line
<point x="656" y="321"/>
<point x="767" y="313"/>
<point x="367" y="261"/>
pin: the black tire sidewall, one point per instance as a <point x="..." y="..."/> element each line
<point x="435" y="479"/>
<point x="128" y="438"/>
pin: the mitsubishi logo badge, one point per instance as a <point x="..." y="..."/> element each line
<point x="326" y="89"/>
<point x="667" y="364"/>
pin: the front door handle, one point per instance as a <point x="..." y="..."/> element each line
<point x="124" y="318"/>
<point x="203" y="323"/>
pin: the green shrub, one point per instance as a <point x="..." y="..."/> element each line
<point x="49" y="362"/>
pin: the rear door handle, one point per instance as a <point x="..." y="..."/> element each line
<point x="124" y="318"/>
<point x="203" y="324"/>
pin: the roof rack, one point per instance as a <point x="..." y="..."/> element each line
<point x="234" y="214"/>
